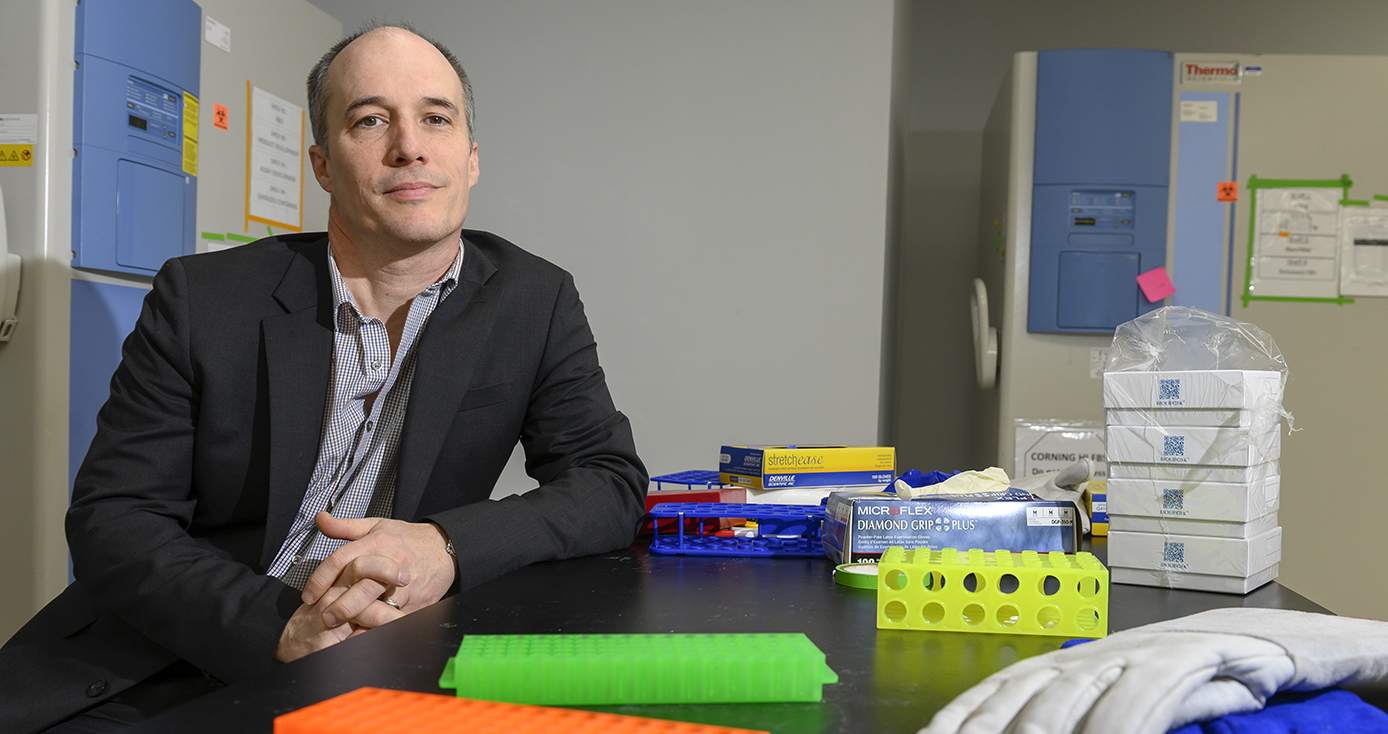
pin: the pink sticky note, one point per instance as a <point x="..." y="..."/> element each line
<point x="1156" y="284"/>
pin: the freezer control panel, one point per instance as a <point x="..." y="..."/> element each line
<point x="1105" y="209"/>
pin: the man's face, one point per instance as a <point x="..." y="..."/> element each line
<point x="399" y="162"/>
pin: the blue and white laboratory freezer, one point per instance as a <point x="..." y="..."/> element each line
<point x="1258" y="182"/>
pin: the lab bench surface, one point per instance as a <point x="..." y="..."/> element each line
<point x="889" y="680"/>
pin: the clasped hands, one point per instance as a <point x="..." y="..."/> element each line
<point x="383" y="559"/>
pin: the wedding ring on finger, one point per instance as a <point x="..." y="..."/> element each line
<point x="391" y="602"/>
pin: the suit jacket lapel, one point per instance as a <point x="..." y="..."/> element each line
<point x="445" y="359"/>
<point x="298" y="356"/>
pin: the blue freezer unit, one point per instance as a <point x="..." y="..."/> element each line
<point x="1101" y="179"/>
<point x="134" y="202"/>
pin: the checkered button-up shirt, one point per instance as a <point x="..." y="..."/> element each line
<point x="355" y="473"/>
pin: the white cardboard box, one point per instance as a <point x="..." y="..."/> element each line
<point x="1051" y="445"/>
<point x="1199" y="389"/>
<point x="1180" y="526"/>
<point x="1195" y="581"/>
<point x="1193" y="445"/>
<point x="1215" y="417"/>
<point x="1183" y="561"/>
<point x="1219" y="501"/>
<point x="1189" y="473"/>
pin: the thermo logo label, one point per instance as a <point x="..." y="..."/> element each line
<point x="1227" y="72"/>
<point x="1173" y="446"/>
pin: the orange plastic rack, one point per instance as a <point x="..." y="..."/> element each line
<point x="376" y="710"/>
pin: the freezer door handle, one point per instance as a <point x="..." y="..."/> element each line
<point x="985" y="337"/>
<point x="9" y="280"/>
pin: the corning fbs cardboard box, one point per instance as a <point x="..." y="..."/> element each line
<point x="860" y="526"/>
<point x="778" y="467"/>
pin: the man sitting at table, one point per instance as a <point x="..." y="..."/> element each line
<point x="303" y="434"/>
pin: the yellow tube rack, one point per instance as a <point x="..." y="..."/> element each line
<point x="1027" y="593"/>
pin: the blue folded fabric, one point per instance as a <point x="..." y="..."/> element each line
<point x="1331" y="711"/>
<point x="917" y="478"/>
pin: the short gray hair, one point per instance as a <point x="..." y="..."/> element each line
<point x="318" y="80"/>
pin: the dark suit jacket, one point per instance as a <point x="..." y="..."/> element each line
<point x="205" y="448"/>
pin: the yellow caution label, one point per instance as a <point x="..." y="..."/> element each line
<point x="190" y="134"/>
<point x="17" y="155"/>
<point x="190" y="156"/>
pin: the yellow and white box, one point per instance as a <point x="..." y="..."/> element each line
<point x="1194" y="389"/>
<point x="1230" y="565"/>
<point x="1193" y="445"/>
<point x="779" y="467"/>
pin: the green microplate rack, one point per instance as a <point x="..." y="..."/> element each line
<point x="603" y="670"/>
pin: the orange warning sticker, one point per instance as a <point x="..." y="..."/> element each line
<point x="1227" y="191"/>
<point x="220" y="116"/>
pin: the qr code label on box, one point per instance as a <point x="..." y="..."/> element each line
<point x="1173" y="446"/>
<point x="1173" y="554"/>
<point x="1170" y="390"/>
<point x="1173" y="500"/>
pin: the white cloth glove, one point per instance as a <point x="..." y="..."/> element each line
<point x="1152" y="679"/>
<point x="1065" y="484"/>
<point x="992" y="479"/>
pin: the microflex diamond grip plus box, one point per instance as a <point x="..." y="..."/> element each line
<point x="779" y="467"/>
<point x="860" y="526"/>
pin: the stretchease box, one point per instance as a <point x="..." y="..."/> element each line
<point x="859" y="526"/>
<point x="1193" y="445"/>
<point x="1235" y="565"/>
<point x="780" y="467"/>
<point x="1194" y="390"/>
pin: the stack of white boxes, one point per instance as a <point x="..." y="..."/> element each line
<point x="1193" y="478"/>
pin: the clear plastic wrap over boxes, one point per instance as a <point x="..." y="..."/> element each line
<point x="1194" y="478"/>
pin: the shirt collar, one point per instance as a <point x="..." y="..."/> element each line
<point x="342" y="295"/>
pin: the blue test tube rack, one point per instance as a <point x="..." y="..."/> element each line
<point x="784" y="531"/>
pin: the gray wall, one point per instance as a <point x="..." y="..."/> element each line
<point x="715" y="175"/>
